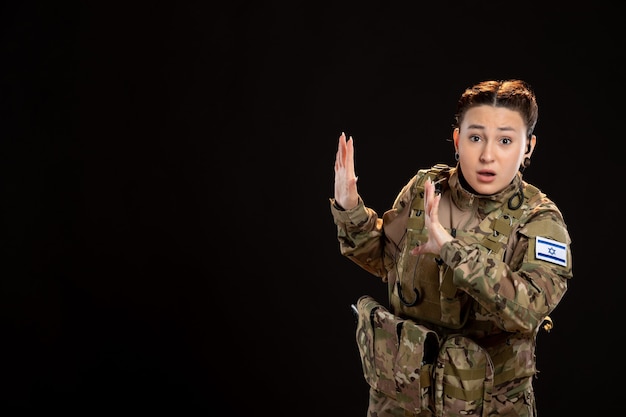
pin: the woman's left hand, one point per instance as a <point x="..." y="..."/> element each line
<point x="437" y="234"/>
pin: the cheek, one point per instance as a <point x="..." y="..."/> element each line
<point x="516" y="162"/>
<point x="519" y="155"/>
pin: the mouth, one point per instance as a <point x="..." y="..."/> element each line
<point x="486" y="175"/>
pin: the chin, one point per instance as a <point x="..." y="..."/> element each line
<point x="486" y="189"/>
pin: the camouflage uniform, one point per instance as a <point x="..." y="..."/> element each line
<point x="492" y="298"/>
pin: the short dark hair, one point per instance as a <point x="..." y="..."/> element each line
<point x="516" y="95"/>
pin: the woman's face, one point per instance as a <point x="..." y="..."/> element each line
<point x="491" y="142"/>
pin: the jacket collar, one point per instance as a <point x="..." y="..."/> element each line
<point x="467" y="200"/>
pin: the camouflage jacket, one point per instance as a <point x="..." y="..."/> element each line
<point x="499" y="298"/>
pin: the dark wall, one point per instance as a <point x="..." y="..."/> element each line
<point x="166" y="169"/>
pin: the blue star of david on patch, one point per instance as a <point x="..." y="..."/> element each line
<point x="551" y="251"/>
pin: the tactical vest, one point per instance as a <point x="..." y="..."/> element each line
<point x="423" y="289"/>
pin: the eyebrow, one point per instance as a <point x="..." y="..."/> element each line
<point x="503" y="129"/>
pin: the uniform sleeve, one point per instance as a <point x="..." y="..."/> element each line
<point x="519" y="295"/>
<point x="361" y="232"/>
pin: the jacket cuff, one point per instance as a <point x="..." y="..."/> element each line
<point x="449" y="253"/>
<point x="357" y="215"/>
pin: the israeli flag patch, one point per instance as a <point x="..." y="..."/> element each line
<point x="551" y="251"/>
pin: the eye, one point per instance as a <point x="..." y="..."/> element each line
<point x="506" y="141"/>
<point x="474" y="138"/>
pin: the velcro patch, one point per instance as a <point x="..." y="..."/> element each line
<point x="551" y="251"/>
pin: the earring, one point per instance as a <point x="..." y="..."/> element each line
<point x="456" y="156"/>
<point x="526" y="162"/>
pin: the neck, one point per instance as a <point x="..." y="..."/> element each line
<point x="464" y="182"/>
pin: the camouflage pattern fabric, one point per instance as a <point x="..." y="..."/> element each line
<point x="490" y="285"/>
<point x="393" y="354"/>
<point x="463" y="379"/>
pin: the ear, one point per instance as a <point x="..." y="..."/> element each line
<point x="532" y="142"/>
<point x="455" y="138"/>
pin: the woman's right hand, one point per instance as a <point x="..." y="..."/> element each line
<point x="346" y="194"/>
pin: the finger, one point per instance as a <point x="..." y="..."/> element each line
<point x="338" y="158"/>
<point x="341" y="151"/>
<point x="350" y="157"/>
<point x="428" y="195"/>
<point x="434" y="212"/>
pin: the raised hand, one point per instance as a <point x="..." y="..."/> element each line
<point x="346" y="194"/>
<point x="437" y="234"/>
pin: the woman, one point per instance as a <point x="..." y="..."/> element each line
<point x="475" y="259"/>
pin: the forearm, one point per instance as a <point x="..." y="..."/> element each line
<point x="518" y="300"/>
<point x="359" y="232"/>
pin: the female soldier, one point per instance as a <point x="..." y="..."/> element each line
<point x="474" y="257"/>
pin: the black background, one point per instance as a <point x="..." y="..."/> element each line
<point x="166" y="168"/>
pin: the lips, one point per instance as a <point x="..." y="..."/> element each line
<point x="486" y="176"/>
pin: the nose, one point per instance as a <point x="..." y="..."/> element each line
<point x="486" y="155"/>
